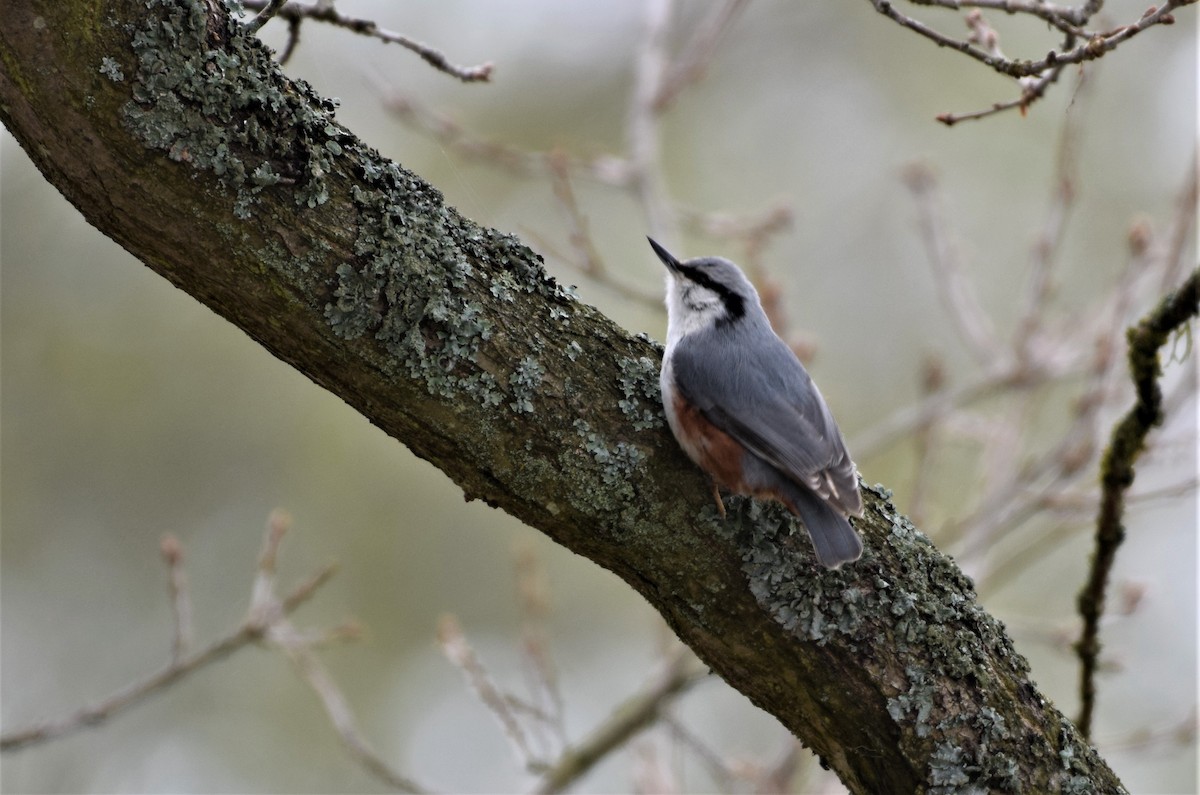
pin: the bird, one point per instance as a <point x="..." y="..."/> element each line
<point x="744" y="409"/>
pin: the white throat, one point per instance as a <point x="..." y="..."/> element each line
<point x="690" y="308"/>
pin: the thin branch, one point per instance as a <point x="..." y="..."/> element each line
<point x="534" y="601"/>
<point x="132" y="694"/>
<point x="1062" y="199"/>
<point x="1093" y="48"/>
<point x="932" y="381"/>
<point x="293" y="41"/>
<point x="718" y="770"/>
<point x="250" y="631"/>
<point x="689" y="67"/>
<point x="265" y="622"/>
<point x="1065" y="18"/>
<point x="459" y="652"/>
<point x="299" y="650"/>
<point x="1117" y="473"/>
<point x="270" y="9"/>
<point x="626" y="721"/>
<point x="1182" y="226"/>
<point x="642" y="128"/>
<point x="904" y="420"/>
<point x="1031" y="91"/>
<point x="295" y="13"/>
<point x="605" y="169"/>
<point x="181" y="602"/>
<point x="955" y="290"/>
<point x="1181" y="733"/>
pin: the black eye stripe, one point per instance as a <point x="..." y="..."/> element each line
<point x="735" y="305"/>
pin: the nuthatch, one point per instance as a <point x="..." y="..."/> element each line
<point x="746" y="411"/>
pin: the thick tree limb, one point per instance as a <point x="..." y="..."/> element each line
<point x="174" y="134"/>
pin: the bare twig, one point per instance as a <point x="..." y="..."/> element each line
<point x="1040" y="284"/>
<point x="293" y="41"/>
<point x="1079" y="45"/>
<point x="130" y="695"/>
<point x="265" y="622"/>
<point x="1065" y="18"/>
<point x="1117" y="472"/>
<point x="904" y="420"/>
<point x="690" y="65"/>
<point x="626" y="721"/>
<point x="534" y="601"/>
<point x="1182" y="227"/>
<point x="933" y="380"/>
<point x="458" y="651"/>
<point x="717" y="768"/>
<point x="1096" y="46"/>
<point x="251" y="630"/>
<point x="642" y="129"/>
<point x="955" y="290"/>
<point x="299" y="650"/>
<point x="270" y="9"/>
<point x="181" y="601"/>
<point x="1181" y="733"/>
<point x="1031" y="91"/>
<point x="295" y="13"/>
<point x="580" y="236"/>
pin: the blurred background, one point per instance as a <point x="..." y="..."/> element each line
<point x="808" y="151"/>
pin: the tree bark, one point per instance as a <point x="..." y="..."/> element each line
<point x="175" y="134"/>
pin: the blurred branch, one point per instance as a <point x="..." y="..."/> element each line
<point x="642" y="128"/>
<point x="1182" y="227"/>
<point x="629" y="718"/>
<point x="957" y="294"/>
<point x="251" y="630"/>
<point x="268" y="9"/>
<point x="690" y="65"/>
<point x="1034" y="75"/>
<point x="1040" y="282"/>
<point x="565" y="764"/>
<point x="181" y="602"/>
<point x="265" y="622"/>
<point x="1117" y="472"/>
<point x="533" y="599"/>
<point x="458" y="651"/>
<point x="1182" y="733"/>
<point x="324" y="11"/>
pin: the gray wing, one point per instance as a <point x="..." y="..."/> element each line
<point x="762" y="396"/>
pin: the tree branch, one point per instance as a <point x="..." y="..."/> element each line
<point x="297" y="13"/>
<point x="1117" y="473"/>
<point x="249" y="631"/>
<point x="1034" y="76"/>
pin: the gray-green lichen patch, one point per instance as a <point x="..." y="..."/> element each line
<point x="215" y="100"/>
<point x="111" y="69"/>
<point x="210" y="95"/>
<point x="808" y="601"/>
<point x="620" y="466"/>
<point x="642" y="401"/>
<point x="523" y="386"/>
<point x="936" y="626"/>
<point x="412" y="282"/>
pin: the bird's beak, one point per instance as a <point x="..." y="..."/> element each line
<point x="667" y="258"/>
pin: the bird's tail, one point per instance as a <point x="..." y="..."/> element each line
<point x="834" y="539"/>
